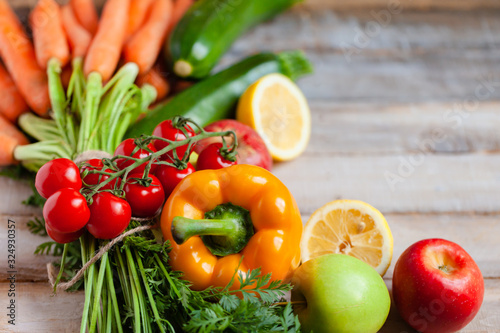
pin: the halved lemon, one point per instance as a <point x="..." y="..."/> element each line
<point x="350" y="227"/>
<point x="276" y="108"/>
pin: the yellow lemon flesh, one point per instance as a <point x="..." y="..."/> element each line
<point x="276" y="108"/>
<point x="350" y="227"/>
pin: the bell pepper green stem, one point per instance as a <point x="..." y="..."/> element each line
<point x="184" y="228"/>
<point x="225" y="230"/>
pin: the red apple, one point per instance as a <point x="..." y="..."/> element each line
<point x="437" y="286"/>
<point x="251" y="147"/>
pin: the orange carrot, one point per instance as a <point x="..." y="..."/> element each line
<point x="86" y="14"/>
<point x="10" y="138"/>
<point x="180" y="8"/>
<point x="48" y="33"/>
<point x="155" y="78"/>
<point x="12" y="104"/>
<point x="18" y="56"/>
<point x="138" y="12"/>
<point x="145" y="45"/>
<point x="105" y="49"/>
<point x="79" y="38"/>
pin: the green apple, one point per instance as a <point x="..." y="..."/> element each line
<point x="339" y="293"/>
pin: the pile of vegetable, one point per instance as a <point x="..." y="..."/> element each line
<point x="107" y="160"/>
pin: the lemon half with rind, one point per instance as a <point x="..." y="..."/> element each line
<point x="277" y="109"/>
<point x="350" y="227"/>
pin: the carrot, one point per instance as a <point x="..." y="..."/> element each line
<point x="86" y="14"/>
<point x="180" y="8"/>
<point x="48" y="33"/>
<point x="12" y="104"/>
<point x="79" y="38"/>
<point x="18" y="56"/>
<point x="105" y="49"/>
<point x="10" y="138"/>
<point x="155" y="78"/>
<point x="138" y="12"/>
<point x="145" y="45"/>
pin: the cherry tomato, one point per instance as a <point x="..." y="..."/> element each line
<point x="126" y="148"/>
<point x="66" y="211"/>
<point x="95" y="178"/>
<point x="109" y="216"/>
<point x="212" y="158"/>
<point x="63" y="238"/>
<point x="167" y="130"/>
<point x="170" y="176"/>
<point x="144" y="201"/>
<point x="57" y="174"/>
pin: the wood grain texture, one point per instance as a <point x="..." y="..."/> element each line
<point x="38" y="310"/>
<point x="414" y="57"/>
<point x="13" y="193"/>
<point x="30" y="267"/>
<point x="401" y="184"/>
<point x="375" y="129"/>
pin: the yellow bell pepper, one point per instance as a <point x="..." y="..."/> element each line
<point x="243" y="215"/>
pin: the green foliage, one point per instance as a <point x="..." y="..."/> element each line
<point x="37" y="226"/>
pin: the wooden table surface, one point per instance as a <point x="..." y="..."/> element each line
<point x="405" y="103"/>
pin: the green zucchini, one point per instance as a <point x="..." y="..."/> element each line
<point x="216" y="97"/>
<point x="209" y="28"/>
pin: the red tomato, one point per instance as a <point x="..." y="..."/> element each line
<point x="170" y="176"/>
<point x="66" y="211"/>
<point x="211" y="158"/>
<point x="63" y="238"/>
<point x="95" y="178"/>
<point x="109" y="216"/>
<point x="251" y="148"/>
<point x="57" y="174"/>
<point x="126" y="148"/>
<point x="144" y="201"/>
<point x="166" y="130"/>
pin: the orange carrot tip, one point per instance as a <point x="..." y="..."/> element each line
<point x="48" y="33"/>
<point x="10" y="138"/>
<point x="105" y="50"/>
<point x="12" y="104"/>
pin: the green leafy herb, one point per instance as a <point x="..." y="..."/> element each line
<point x="37" y="226"/>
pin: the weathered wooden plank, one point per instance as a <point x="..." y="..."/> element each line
<point x="407" y="4"/>
<point x="29" y="267"/>
<point x="12" y="194"/>
<point x="38" y="311"/>
<point x="413" y="57"/>
<point x="407" y="183"/>
<point x="393" y="129"/>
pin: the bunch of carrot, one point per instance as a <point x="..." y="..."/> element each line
<point x="65" y="36"/>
